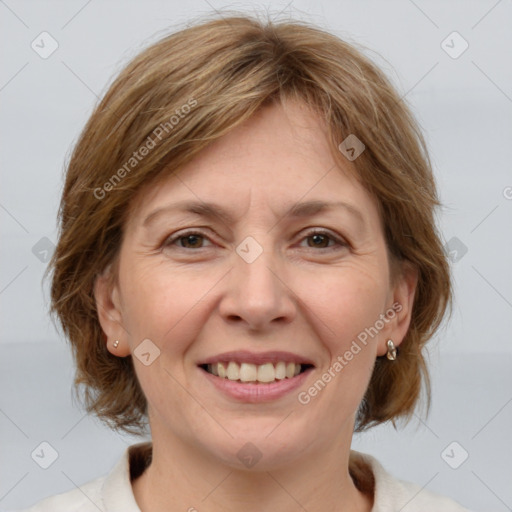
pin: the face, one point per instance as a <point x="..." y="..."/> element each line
<point x="273" y="279"/>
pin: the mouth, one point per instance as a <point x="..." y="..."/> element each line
<point x="249" y="368"/>
<point x="250" y="373"/>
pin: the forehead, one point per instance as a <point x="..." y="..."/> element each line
<point x="279" y="157"/>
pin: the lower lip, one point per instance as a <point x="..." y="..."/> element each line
<point x="256" y="393"/>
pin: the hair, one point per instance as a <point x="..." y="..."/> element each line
<point x="189" y="89"/>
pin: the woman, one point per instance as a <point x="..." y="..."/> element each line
<point x="248" y="263"/>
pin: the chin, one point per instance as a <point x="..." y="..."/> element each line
<point x="253" y="449"/>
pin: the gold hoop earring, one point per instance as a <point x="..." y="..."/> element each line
<point x="392" y="350"/>
<point x="116" y="343"/>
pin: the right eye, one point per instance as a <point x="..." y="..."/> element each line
<point x="186" y="240"/>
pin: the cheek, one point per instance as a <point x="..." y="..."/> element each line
<point x="163" y="303"/>
<point x="343" y="304"/>
<point x="345" y="301"/>
<point x="167" y="306"/>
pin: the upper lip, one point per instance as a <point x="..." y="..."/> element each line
<point x="257" y="358"/>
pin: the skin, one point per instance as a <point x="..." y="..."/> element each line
<point x="306" y="295"/>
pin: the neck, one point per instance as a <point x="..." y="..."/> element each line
<point x="186" y="478"/>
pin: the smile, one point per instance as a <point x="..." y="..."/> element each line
<point x="254" y="377"/>
<point x="263" y="373"/>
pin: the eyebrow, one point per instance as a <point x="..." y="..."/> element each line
<point x="212" y="210"/>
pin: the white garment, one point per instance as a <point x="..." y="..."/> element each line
<point x="113" y="492"/>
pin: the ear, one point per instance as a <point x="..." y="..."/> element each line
<point x="397" y="316"/>
<point x="108" y="306"/>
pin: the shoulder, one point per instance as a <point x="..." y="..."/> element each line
<point x="86" y="498"/>
<point x="109" y="492"/>
<point x="391" y="494"/>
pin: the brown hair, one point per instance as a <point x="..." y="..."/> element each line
<point x="189" y="89"/>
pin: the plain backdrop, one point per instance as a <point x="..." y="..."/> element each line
<point x="459" y="86"/>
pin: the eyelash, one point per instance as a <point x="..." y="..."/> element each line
<point x="339" y="242"/>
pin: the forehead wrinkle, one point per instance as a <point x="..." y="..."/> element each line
<point x="213" y="210"/>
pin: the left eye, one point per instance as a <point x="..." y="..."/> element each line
<point x="321" y="239"/>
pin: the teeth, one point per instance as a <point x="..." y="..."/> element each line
<point x="212" y="368"/>
<point x="267" y="373"/>
<point x="248" y="372"/>
<point x="233" y="371"/>
<point x="280" y="370"/>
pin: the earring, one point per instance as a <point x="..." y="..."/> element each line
<point x="116" y="343"/>
<point x="392" y="350"/>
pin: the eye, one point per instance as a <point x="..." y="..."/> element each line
<point x="187" y="240"/>
<point x="321" y="239"/>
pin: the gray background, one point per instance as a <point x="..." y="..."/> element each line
<point x="464" y="105"/>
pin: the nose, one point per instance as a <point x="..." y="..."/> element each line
<point x="257" y="294"/>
